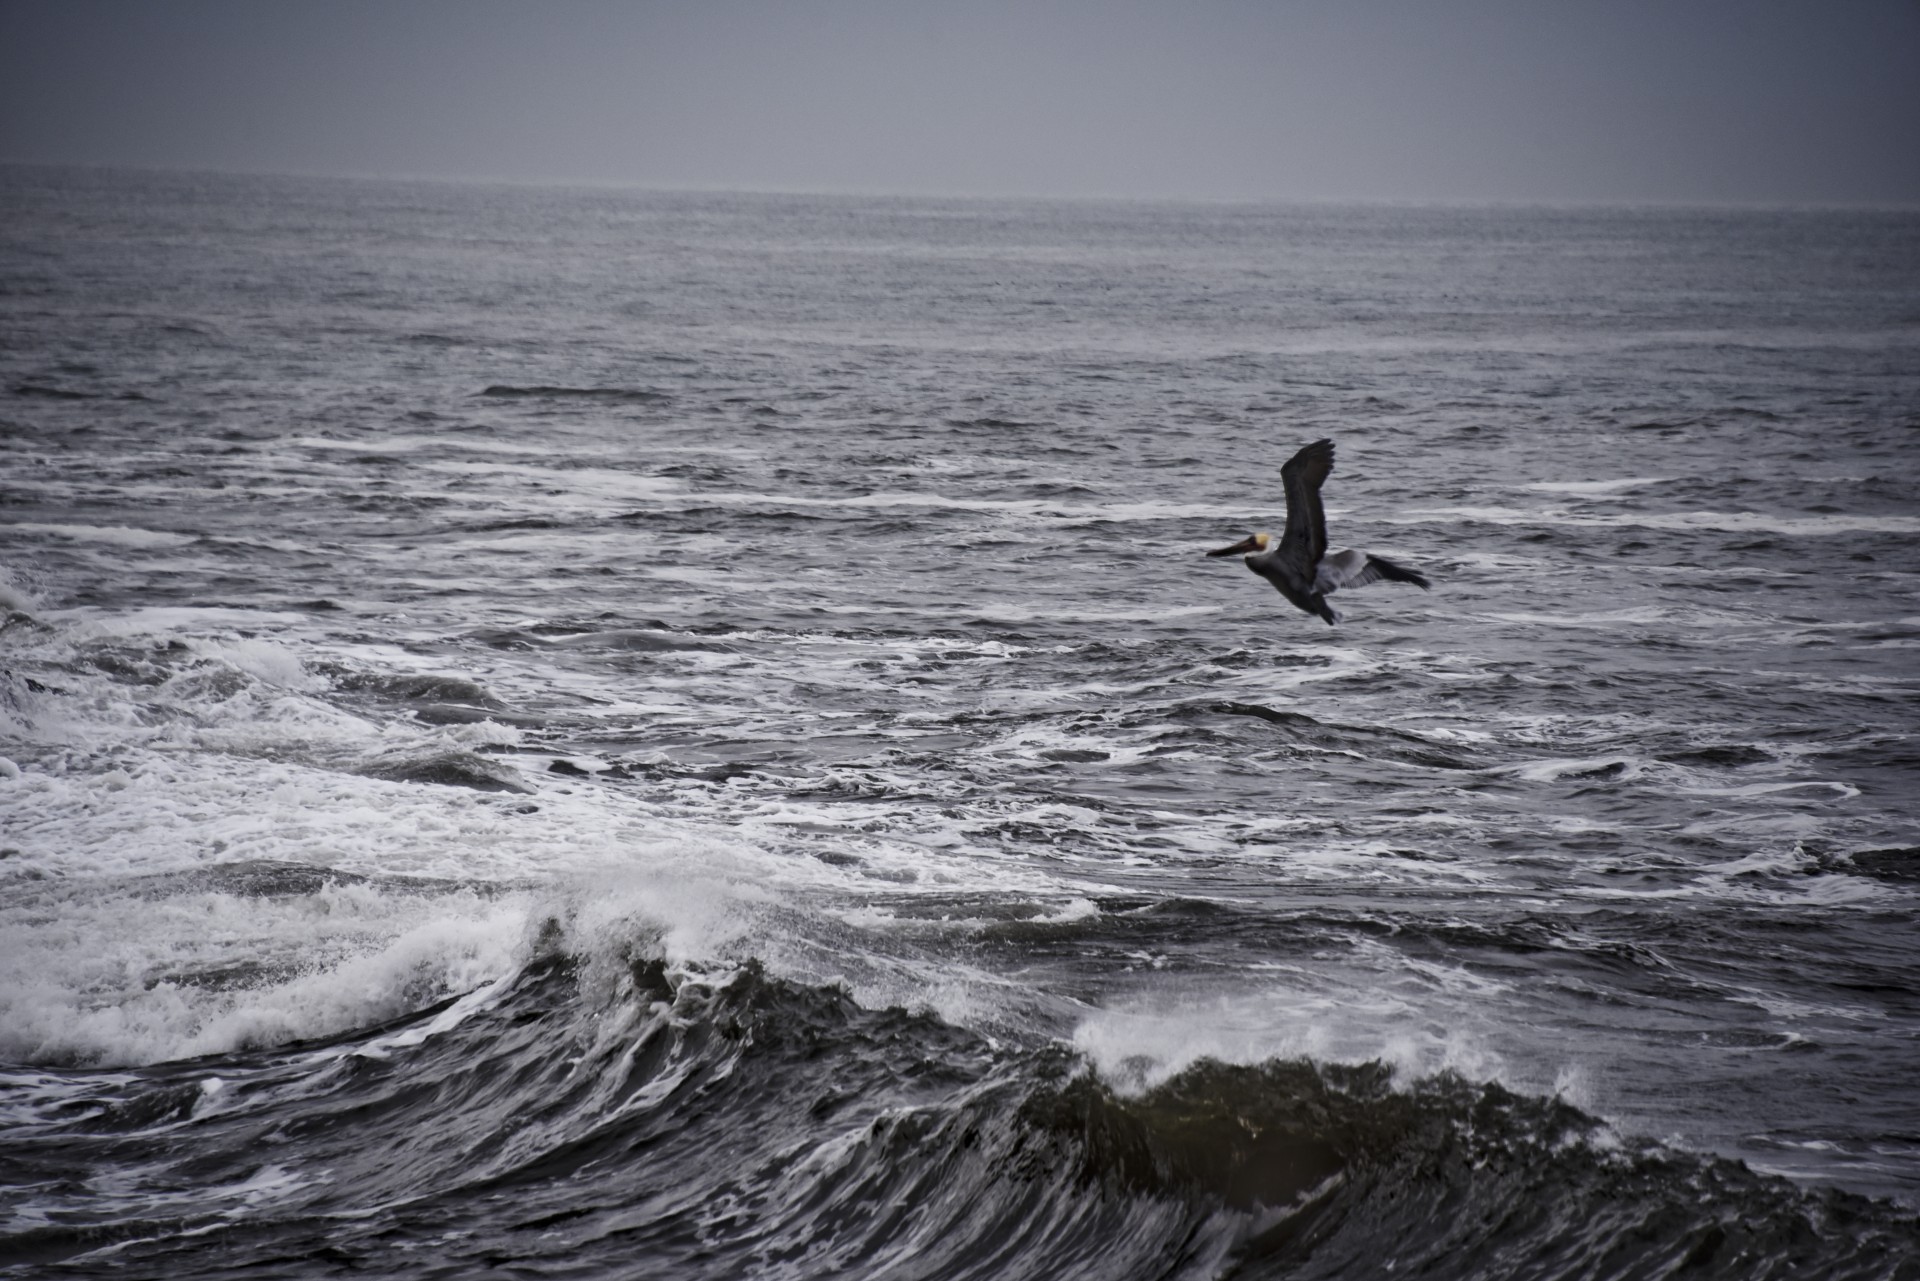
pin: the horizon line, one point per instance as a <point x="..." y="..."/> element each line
<point x="664" y="187"/>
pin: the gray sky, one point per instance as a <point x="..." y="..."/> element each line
<point x="1496" y="100"/>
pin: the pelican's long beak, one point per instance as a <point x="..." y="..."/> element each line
<point x="1251" y="543"/>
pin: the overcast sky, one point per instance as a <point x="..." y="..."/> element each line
<point x="1494" y="100"/>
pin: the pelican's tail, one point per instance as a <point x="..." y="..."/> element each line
<point x="1392" y="573"/>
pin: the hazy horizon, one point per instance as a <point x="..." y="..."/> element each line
<point x="880" y="193"/>
<point x="1491" y="102"/>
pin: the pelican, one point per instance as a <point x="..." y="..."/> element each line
<point x="1298" y="562"/>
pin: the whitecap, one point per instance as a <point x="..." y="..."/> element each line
<point x="1724" y="522"/>
<point x="1595" y="488"/>
<point x="117" y="535"/>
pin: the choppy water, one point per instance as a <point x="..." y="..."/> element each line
<point x="581" y="733"/>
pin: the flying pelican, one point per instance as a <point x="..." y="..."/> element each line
<point x="1298" y="562"/>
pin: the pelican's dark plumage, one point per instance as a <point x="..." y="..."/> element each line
<point x="1298" y="562"/>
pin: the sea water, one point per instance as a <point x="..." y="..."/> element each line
<point x="609" y="733"/>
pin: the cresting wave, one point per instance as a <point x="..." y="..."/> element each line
<point x="604" y="1111"/>
<point x="268" y="1062"/>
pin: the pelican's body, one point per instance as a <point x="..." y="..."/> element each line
<point x="1298" y="562"/>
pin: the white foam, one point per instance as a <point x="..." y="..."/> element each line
<point x="240" y="757"/>
<point x="1834" y="789"/>
<point x="1641" y="614"/>
<point x="96" y="968"/>
<point x="14" y="595"/>
<point x="1074" y="909"/>
<point x="171" y="621"/>
<point x="1043" y="510"/>
<point x="117" y="535"/>
<point x="1604" y="768"/>
<point x="109" y="975"/>
<point x="1595" y="488"/>
<point x="263" y="660"/>
<point x="406" y="443"/>
<point x="599" y="483"/>
<point x="1144" y="1042"/>
<point x="1725" y="522"/>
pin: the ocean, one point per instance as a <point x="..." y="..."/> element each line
<point x="601" y="733"/>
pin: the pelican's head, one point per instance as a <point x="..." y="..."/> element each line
<point x="1250" y="545"/>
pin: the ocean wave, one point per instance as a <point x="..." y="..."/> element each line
<point x="636" y="395"/>
<point x="1724" y="522"/>
<point x="116" y="535"/>
<point x="604" y="1109"/>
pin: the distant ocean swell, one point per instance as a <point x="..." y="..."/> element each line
<point x="614" y="1115"/>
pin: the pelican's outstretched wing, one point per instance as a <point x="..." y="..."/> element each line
<point x="1305" y="540"/>
<point x="1356" y="569"/>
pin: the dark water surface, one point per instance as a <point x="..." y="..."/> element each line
<point x="585" y="733"/>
